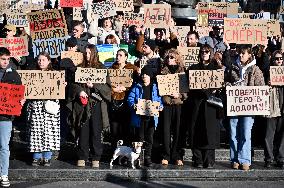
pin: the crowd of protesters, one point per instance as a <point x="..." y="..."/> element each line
<point x="186" y="119"/>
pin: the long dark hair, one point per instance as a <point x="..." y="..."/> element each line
<point x="45" y="54"/>
<point x="94" y="58"/>
<point x="273" y="57"/>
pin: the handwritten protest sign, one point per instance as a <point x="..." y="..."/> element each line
<point x="245" y="31"/>
<point x="10" y="97"/>
<point x="281" y="11"/>
<point x="17" y="17"/>
<point x="47" y="24"/>
<point x="247" y="100"/>
<point x="76" y="57"/>
<point x="124" y="5"/>
<point x="71" y="3"/>
<point x="43" y="84"/>
<point x="121" y="77"/>
<point x="232" y="10"/>
<point x="203" y="31"/>
<point x="84" y="75"/>
<point x="261" y="15"/>
<point x="77" y="14"/>
<point x="277" y="75"/>
<point x="181" y="33"/>
<point x="54" y="46"/>
<point x="157" y="15"/>
<point x="172" y="84"/>
<point x="4" y="5"/>
<point x="18" y="46"/>
<point x="204" y="79"/>
<point x="148" y="108"/>
<point x="218" y="11"/>
<point x="273" y="28"/>
<point x="189" y="55"/>
<point x="203" y="10"/>
<point x="131" y="18"/>
<point x="104" y="9"/>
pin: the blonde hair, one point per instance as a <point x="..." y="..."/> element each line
<point x="178" y="57"/>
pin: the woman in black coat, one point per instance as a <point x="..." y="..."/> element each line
<point x="203" y="125"/>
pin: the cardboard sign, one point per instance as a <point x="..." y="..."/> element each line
<point x="218" y="11"/>
<point x="4" y="5"/>
<point x="17" y="18"/>
<point x="131" y="18"/>
<point x="18" y="46"/>
<point x="277" y="75"/>
<point x="76" y="57"/>
<point x="181" y="32"/>
<point x="147" y="108"/>
<point x="84" y="75"/>
<point x="47" y="24"/>
<point x="281" y="11"/>
<point x="247" y="100"/>
<point x="232" y="10"/>
<point x="157" y="15"/>
<point x="124" y="5"/>
<point x="189" y="54"/>
<point x="104" y="9"/>
<point x="273" y="28"/>
<point x="245" y="31"/>
<point x="121" y="77"/>
<point x="261" y="15"/>
<point x="204" y="79"/>
<point x="53" y="46"/>
<point x="77" y="14"/>
<point x="10" y="97"/>
<point x="203" y="31"/>
<point x="172" y="84"/>
<point x="71" y="3"/>
<point x="43" y="84"/>
<point x="202" y="16"/>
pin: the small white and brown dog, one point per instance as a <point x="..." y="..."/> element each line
<point x="132" y="153"/>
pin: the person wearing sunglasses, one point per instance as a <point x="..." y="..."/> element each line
<point x="244" y="72"/>
<point x="274" y="133"/>
<point x="202" y="123"/>
<point x="172" y="111"/>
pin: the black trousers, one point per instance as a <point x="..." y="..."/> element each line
<point x="145" y="133"/>
<point x="274" y="140"/>
<point x="119" y="126"/>
<point x="90" y="136"/>
<point x="171" y="126"/>
<point x="203" y="156"/>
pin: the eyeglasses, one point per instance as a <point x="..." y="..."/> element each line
<point x="278" y="58"/>
<point x="206" y="52"/>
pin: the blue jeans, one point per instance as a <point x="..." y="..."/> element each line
<point x="240" y="139"/>
<point x="44" y="155"/>
<point x="5" y="135"/>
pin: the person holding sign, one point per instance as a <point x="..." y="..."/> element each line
<point x="43" y="122"/>
<point x="172" y="110"/>
<point x="88" y="104"/>
<point x="119" y="126"/>
<point x="10" y="76"/>
<point x="245" y="73"/>
<point x="203" y="124"/>
<point x="144" y="125"/>
<point x="274" y="134"/>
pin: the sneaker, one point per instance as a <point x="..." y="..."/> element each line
<point x="245" y="167"/>
<point x="46" y="162"/>
<point x="81" y="163"/>
<point x="95" y="164"/>
<point x="235" y="165"/>
<point x="5" y="181"/>
<point x="165" y="162"/>
<point x="36" y="162"/>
